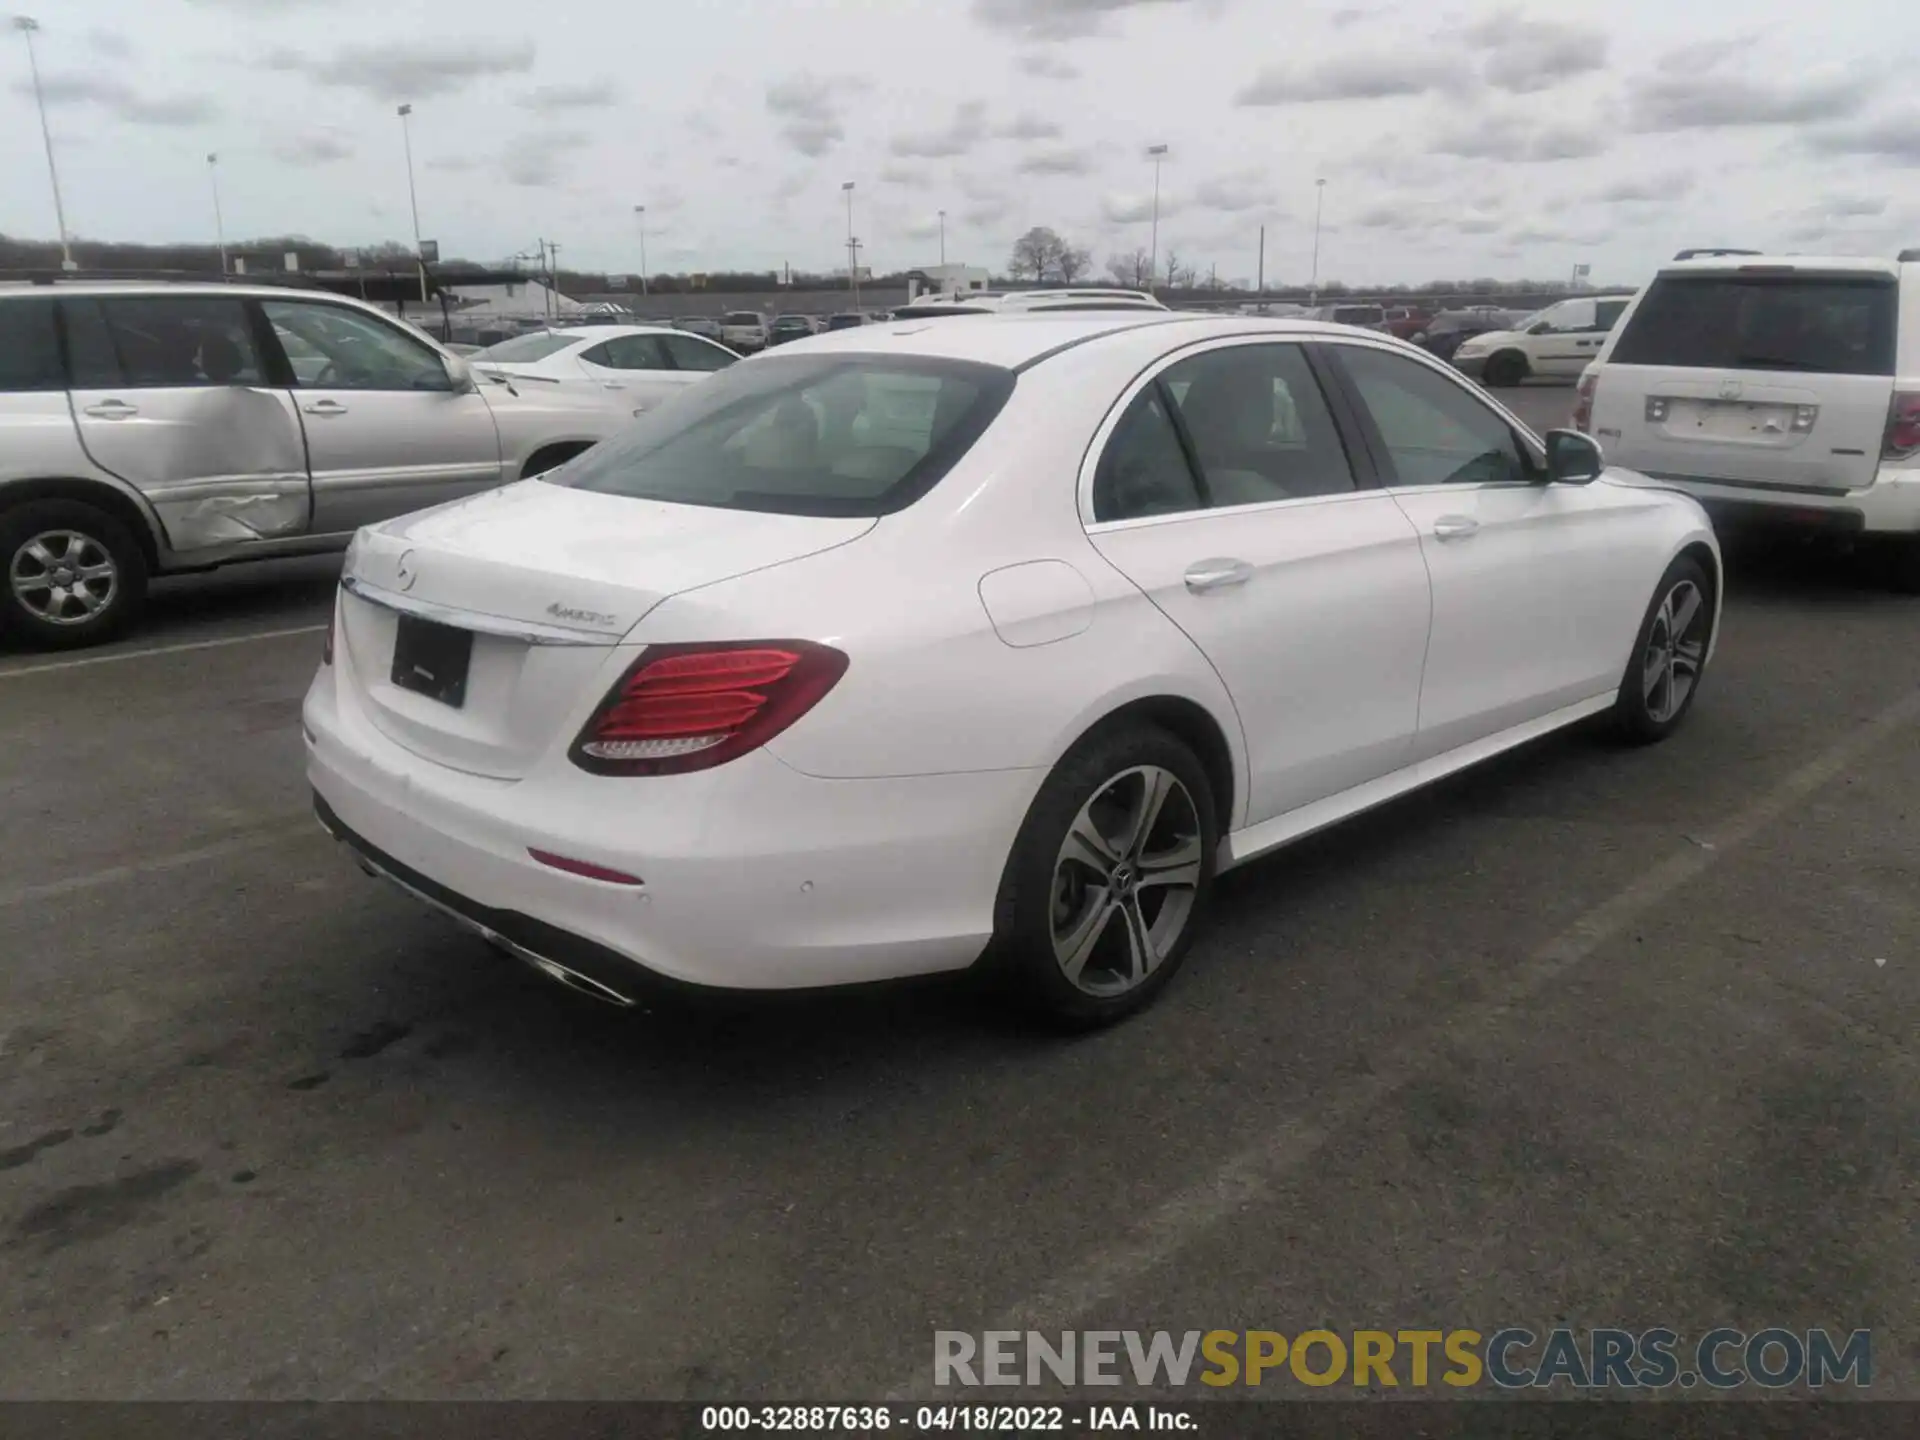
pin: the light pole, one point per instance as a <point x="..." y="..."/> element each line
<point x="943" y="237"/>
<point x="26" y="25"/>
<point x="1319" y="200"/>
<point x="1159" y="153"/>
<point x="640" y="213"/>
<point x="853" y="270"/>
<point x="413" y="199"/>
<point x="219" y="225"/>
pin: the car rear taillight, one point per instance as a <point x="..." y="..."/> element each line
<point x="1903" y="426"/>
<point x="1583" y="402"/>
<point x="691" y="707"/>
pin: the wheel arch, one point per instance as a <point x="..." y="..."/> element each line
<point x="1708" y="558"/>
<point x="553" y="453"/>
<point x="1195" y="726"/>
<point x="121" y="505"/>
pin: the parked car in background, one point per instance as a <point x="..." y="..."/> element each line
<point x="1363" y="317"/>
<point x="1406" y="321"/>
<point x="1556" y="343"/>
<point x="847" y="320"/>
<point x="744" y="330"/>
<point x="1092" y="298"/>
<point x="774" y="704"/>
<point x="1449" y="329"/>
<point x="152" y="428"/>
<point x="791" y="327"/>
<point x="629" y="367"/>
<point x="703" y="325"/>
<point x="1777" y="391"/>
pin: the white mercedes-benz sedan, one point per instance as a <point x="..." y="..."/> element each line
<point x="993" y="641"/>
<point x="629" y="368"/>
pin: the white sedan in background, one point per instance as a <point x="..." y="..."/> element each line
<point x="918" y="646"/>
<point x="629" y="367"/>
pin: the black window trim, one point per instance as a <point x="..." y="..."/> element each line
<point x="1532" y="453"/>
<point x="1360" y="460"/>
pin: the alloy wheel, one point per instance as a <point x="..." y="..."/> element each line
<point x="1125" y="881"/>
<point x="1676" y="649"/>
<point x="63" y="577"/>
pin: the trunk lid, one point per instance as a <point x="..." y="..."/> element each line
<point x="501" y="610"/>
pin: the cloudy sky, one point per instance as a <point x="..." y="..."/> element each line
<point x="1514" y="138"/>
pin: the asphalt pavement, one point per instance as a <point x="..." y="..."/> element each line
<point x="1591" y="1036"/>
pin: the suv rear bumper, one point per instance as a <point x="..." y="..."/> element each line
<point x="1890" y="506"/>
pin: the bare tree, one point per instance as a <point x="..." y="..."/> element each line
<point x="1035" y="254"/>
<point x="1134" y="268"/>
<point x="1181" y="274"/>
<point x="1072" y="262"/>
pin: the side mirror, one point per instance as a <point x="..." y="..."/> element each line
<point x="1573" y="458"/>
<point x="459" y="374"/>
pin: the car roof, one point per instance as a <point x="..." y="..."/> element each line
<point x="1023" y="338"/>
<point x="179" y="287"/>
<point x="1822" y="264"/>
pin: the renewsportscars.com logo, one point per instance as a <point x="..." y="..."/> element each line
<point x="1513" y="1358"/>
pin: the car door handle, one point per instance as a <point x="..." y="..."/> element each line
<point x="1204" y="575"/>
<point x="325" y="407"/>
<point x="612" y="385"/>
<point x="1455" y="527"/>
<point x="112" y="410"/>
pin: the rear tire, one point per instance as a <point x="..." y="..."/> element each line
<point x="1669" y="655"/>
<point x="1506" y="369"/>
<point x="74" y="576"/>
<point x="1108" y="880"/>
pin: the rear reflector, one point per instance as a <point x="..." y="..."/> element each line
<point x="691" y="707"/>
<point x="1903" y="426"/>
<point x="584" y="868"/>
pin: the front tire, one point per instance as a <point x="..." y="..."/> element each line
<point x="1669" y="655"/>
<point x="1109" y="879"/>
<point x="74" y="576"/>
<point x="1506" y="369"/>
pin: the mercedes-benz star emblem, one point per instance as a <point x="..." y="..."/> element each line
<point x="405" y="573"/>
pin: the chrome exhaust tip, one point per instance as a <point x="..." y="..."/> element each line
<point x="585" y="984"/>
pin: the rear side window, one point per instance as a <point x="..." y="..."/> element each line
<point x="695" y="354"/>
<point x="161" y="342"/>
<point x="629" y="352"/>
<point x="802" y="435"/>
<point x="525" y="349"/>
<point x="29" y="350"/>
<point x="1820" y="325"/>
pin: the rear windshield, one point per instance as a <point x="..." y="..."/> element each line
<point x="802" y="435"/>
<point x="742" y="317"/>
<point x="1357" y="314"/>
<point x="527" y="348"/>
<point x="929" y="312"/>
<point x="1821" y="325"/>
<point x="846" y="322"/>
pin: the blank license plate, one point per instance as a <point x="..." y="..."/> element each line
<point x="432" y="660"/>
<point x="1732" y="419"/>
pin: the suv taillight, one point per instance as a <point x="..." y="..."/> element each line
<point x="1583" y="403"/>
<point x="692" y="707"/>
<point x="1903" y="426"/>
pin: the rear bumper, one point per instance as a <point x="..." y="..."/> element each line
<point x="1890" y="506"/>
<point x="754" y="876"/>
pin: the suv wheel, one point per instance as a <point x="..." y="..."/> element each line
<point x="74" y="576"/>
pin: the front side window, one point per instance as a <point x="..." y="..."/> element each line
<point x="1814" y="324"/>
<point x="1434" y="431"/>
<point x="1259" y="426"/>
<point x="161" y="342"/>
<point x="29" y="349"/>
<point x="333" y="348"/>
<point x="689" y="354"/>
<point x="802" y="435"/>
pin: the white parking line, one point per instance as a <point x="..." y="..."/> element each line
<point x="1244" y="1181"/>
<point x="77" y="663"/>
<point x="268" y="834"/>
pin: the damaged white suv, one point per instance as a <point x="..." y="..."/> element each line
<point x="149" y="429"/>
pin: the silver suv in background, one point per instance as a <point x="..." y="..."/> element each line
<point x="744" y="331"/>
<point x="150" y="429"/>
<point x="1782" y="392"/>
